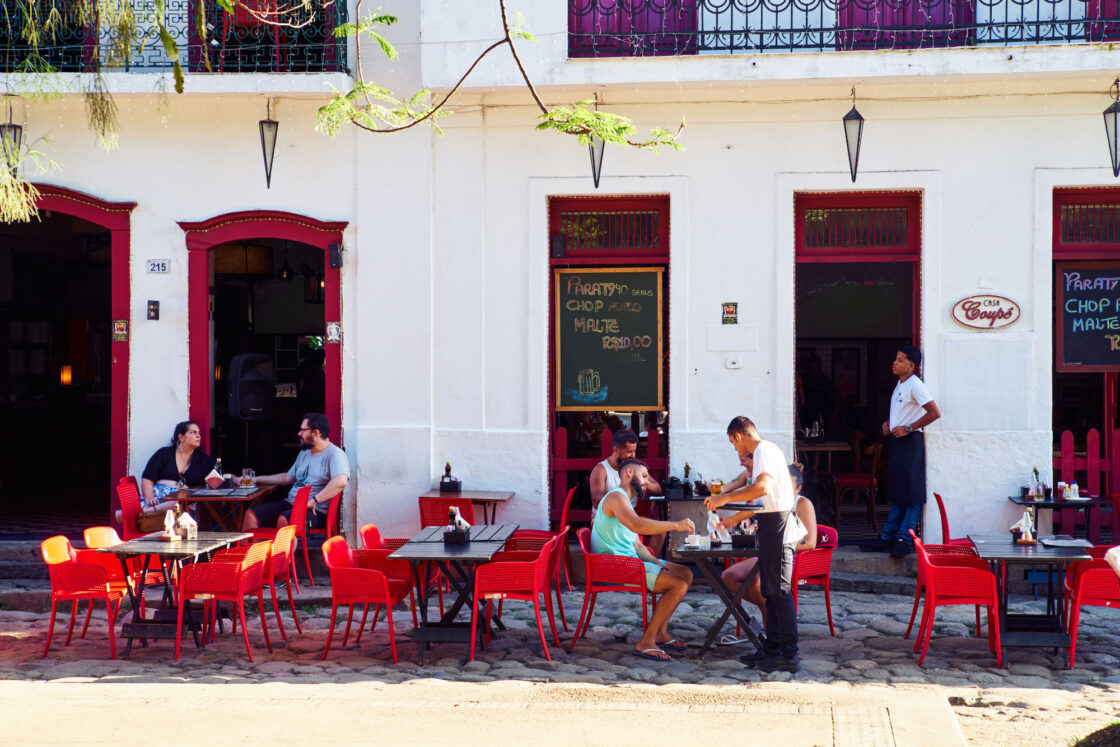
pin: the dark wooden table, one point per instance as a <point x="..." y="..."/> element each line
<point x="489" y="500"/>
<point x="457" y="563"/>
<point x="226" y="506"/>
<point x="1052" y="504"/>
<point x="171" y="556"/>
<point x="1022" y="629"/>
<point x="733" y="601"/>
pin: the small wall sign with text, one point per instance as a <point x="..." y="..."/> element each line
<point x="731" y="313"/>
<point x="159" y="266"/>
<point x="986" y="312"/>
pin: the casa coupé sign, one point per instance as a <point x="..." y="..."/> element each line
<point x="986" y="312"/>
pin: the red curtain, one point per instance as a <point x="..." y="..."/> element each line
<point x="1096" y="9"/>
<point x="906" y="24"/>
<point x="631" y="28"/>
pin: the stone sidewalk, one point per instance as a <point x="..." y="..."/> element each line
<point x="868" y="652"/>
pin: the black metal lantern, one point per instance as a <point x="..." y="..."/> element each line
<point x="1111" y="128"/>
<point x="11" y="136"/>
<point x="268" y="144"/>
<point x="598" y="145"/>
<point x="853" y="135"/>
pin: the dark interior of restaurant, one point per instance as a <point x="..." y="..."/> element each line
<point x="268" y="300"/>
<point x="55" y="308"/>
<point x="851" y="319"/>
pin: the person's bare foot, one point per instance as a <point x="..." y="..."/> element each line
<point x="652" y="652"/>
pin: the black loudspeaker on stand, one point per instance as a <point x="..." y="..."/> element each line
<point x="251" y="390"/>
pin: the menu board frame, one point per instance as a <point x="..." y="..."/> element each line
<point x="558" y="351"/>
<point x="1061" y="364"/>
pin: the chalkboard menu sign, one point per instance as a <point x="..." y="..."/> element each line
<point x="1088" y="315"/>
<point x="608" y="338"/>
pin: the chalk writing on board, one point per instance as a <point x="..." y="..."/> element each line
<point x="1087" y="315"/>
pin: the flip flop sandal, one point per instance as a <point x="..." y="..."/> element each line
<point x="646" y="654"/>
<point x="673" y="645"/>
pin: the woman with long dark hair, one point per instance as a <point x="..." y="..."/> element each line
<point x="182" y="464"/>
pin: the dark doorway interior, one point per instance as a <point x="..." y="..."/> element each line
<point x="268" y="299"/>
<point x="851" y="319"/>
<point x="55" y="294"/>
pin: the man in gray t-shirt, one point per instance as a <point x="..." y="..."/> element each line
<point x="320" y="464"/>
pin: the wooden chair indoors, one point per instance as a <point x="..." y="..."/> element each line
<point x="855" y="483"/>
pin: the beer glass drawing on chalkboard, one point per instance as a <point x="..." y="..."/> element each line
<point x="588" y="388"/>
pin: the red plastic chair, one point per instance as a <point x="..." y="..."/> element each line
<point x="522" y="549"/>
<point x="399" y="573"/>
<point x="299" y="521"/>
<point x="544" y="535"/>
<point x="73" y="581"/>
<point x="945" y="538"/>
<point x="372" y="540"/>
<point x="946" y="555"/>
<point x="102" y="537"/>
<point x="515" y="579"/>
<point x="128" y="492"/>
<point x="331" y="529"/>
<point x="225" y="582"/>
<point x="608" y="573"/>
<point x="956" y="584"/>
<point x="814" y="568"/>
<point x="1096" y="584"/>
<point x="354" y="581"/>
<point x="278" y="567"/>
<point x="433" y="511"/>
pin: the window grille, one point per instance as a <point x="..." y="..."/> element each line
<point x="1090" y="224"/>
<point x="856" y="228"/>
<point x="599" y="230"/>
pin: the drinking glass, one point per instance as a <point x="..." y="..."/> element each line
<point x="247" y="477"/>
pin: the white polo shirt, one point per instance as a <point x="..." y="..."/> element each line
<point x="908" y="402"/>
<point x="768" y="458"/>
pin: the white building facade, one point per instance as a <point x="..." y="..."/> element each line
<point x="445" y="290"/>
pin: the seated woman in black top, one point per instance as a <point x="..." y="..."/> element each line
<point x="173" y="467"/>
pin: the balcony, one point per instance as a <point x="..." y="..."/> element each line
<point x="237" y="43"/>
<point x="644" y="28"/>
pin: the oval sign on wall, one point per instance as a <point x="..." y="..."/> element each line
<point x="986" y="312"/>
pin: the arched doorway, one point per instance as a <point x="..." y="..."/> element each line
<point x="67" y="352"/>
<point x="262" y="228"/>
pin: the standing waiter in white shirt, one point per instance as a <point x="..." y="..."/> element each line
<point x="912" y="408"/>
<point x="778" y="532"/>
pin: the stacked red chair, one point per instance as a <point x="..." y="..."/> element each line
<point x="74" y="581"/>
<point x="524" y="580"/>
<point x="225" y="582"/>
<point x="354" y="581"/>
<point x="608" y="573"/>
<point x="814" y="568"/>
<point x="522" y="549"/>
<point x="299" y="521"/>
<point x="956" y="584"/>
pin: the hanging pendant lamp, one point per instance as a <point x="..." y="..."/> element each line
<point x="1112" y="128"/>
<point x="268" y="127"/>
<point x="853" y="135"/>
<point x="597" y="146"/>
<point x="11" y="138"/>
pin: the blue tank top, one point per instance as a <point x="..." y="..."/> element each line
<point x="609" y="536"/>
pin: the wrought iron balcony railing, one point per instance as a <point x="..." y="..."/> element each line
<point x="237" y="43"/>
<point x="635" y="28"/>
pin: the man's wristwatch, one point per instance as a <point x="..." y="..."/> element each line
<point x="908" y="429"/>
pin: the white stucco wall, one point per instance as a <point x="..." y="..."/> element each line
<point x="446" y="274"/>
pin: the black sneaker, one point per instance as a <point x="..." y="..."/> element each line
<point x="752" y="659"/>
<point x="876" y="545"/>
<point x="901" y="548"/>
<point x="779" y="664"/>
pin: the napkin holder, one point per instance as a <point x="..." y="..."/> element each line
<point x="456" y="536"/>
<point x="742" y="541"/>
<point x="164" y="537"/>
<point x="448" y="484"/>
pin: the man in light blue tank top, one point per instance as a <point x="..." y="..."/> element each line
<point x="616" y="530"/>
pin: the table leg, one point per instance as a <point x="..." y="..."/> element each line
<point x="132" y="598"/>
<point x="731" y="601"/>
<point x="218" y="518"/>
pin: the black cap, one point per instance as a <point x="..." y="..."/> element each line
<point x="912" y="353"/>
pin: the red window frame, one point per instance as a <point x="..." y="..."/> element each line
<point x="1083" y="196"/>
<point x="911" y="252"/>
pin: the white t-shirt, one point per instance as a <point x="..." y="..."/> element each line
<point x="613" y="480"/>
<point x="908" y="402"/>
<point x="768" y="458"/>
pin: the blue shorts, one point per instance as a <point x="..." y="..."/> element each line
<point x="652" y="572"/>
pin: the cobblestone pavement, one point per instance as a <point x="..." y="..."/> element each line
<point x="869" y="650"/>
